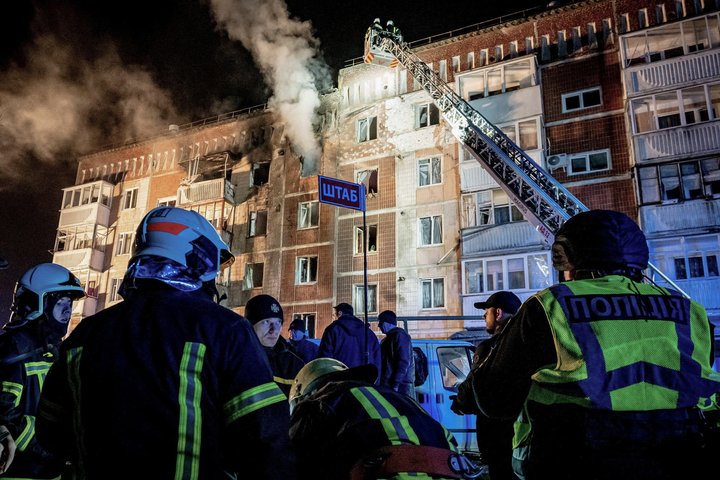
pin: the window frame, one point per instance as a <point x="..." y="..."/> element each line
<point x="252" y="229"/>
<point x="433" y="115"/>
<point x="313" y="220"/>
<point x="371" y="132"/>
<point x="580" y="94"/>
<point x="130" y="198"/>
<point x="431" y="281"/>
<point x="586" y="156"/>
<point x="358" y="298"/>
<point x="358" y="234"/>
<point x="432" y="218"/>
<point x="650" y="180"/>
<point x="125" y="242"/>
<point x="371" y="186"/>
<point x="431" y="172"/>
<point x="535" y="264"/>
<point x="312" y="270"/>
<point x="250" y="278"/>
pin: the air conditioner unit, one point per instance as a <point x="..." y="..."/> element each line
<point x="559" y="160"/>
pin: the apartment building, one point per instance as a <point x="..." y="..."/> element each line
<point x="616" y="99"/>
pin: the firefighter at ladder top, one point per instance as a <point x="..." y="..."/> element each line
<point x="41" y="310"/>
<point x="167" y="383"/>
<point x="609" y="374"/>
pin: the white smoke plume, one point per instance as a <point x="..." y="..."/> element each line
<point x="58" y="105"/>
<point x="285" y="52"/>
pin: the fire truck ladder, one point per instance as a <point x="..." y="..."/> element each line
<point x="543" y="201"/>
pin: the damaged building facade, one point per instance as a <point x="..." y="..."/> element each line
<point x="617" y="99"/>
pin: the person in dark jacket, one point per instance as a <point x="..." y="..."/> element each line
<point x="396" y="352"/>
<point x="349" y="340"/>
<point x="307" y="350"/>
<point x="41" y="310"/>
<point x="606" y="371"/>
<point x="343" y="427"/>
<point x="167" y="383"/>
<point x="266" y="316"/>
<point x="494" y="435"/>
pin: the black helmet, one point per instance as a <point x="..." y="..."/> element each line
<point x="601" y="240"/>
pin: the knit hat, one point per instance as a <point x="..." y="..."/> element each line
<point x="388" y="316"/>
<point x="344" y="309"/>
<point x="261" y="307"/>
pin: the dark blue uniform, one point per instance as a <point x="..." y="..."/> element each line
<point x="344" y="340"/>
<point x="167" y="384"/>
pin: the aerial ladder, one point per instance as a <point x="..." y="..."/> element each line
<point x="542" y="200"/>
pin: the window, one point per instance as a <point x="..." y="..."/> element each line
<point x="442" y="70"/>
<point x="129" y="199"/>
<point x="98" y="192"/>
<point x="455" y="364"/>
<point x="576" y="39"/>
<point x="679" y="181"/>
<point x="430" y="230"/>
<point x="591" y="35"/>
<point x="581" y="99"/>
<point x="257" y="223"/>
<point x="371" y="240"/>
<point x="253" y="275"/>
<point x="359" y="299"/>
<point x="519" y="272"/>
<point x="489" y="207"/>
<point x="513" y="49"/>
<point x="81" y="236"/>
<point x="693" y="257"/>
<point x="433" y="292"/>
<point x="167" y="202"/>
<point x="681" y="107"/>
<point x="589" y="162"/>
<point x="698" y="265"/>
<point x="114" y="295"/>
<point x="426" y="114"/>
<point x="125" y="243"/>
<point x="499" y="55"/>
<point x="545" y="48"/>
<point x="305" y="270"/>
<point x="643" y="18"/>
<point x="369" y="178"/>
<point x="498" y="79"/>
<point x="529" y="44"/>
<point x="561" y="44"/>
<point x="307" y="215"/>
<point x="524" y="134"/>
<point x="214" y="212"/>
<point x="429" y="171"/>
<point x="260" y="174"/>
<point x="483" y="57"/>
<point x="309" y="321"/>
<point x="455" y="64"/>
<point x="471" y="60"/>
<point x="660" y="14"/>
<point x="366" y="129"/>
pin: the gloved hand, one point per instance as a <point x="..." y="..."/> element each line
<point x="455" y="406"/>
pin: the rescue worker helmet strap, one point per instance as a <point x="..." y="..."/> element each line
<point x="185" y="237"/>
<point x="34" y="286"/>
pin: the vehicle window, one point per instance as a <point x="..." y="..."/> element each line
<point x="454" y="365"/>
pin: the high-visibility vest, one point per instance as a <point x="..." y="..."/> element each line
<point x="625" y="346"/>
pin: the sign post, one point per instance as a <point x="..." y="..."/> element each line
<point x="349" y="195"/>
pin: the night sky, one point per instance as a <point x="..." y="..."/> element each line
<point x="79" y="75"/>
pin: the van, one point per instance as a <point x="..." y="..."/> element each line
<point x="449" y="363"/>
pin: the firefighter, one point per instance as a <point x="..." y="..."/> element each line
<point x="366" y="431"/>
<point x="606" y="371"/>
<point x="394" y="31"/>
<point x="167" y="383"/>
<point x="41" y="310"/>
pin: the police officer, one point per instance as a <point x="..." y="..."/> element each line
<point x="266" y="316"/>
<point x="41" y="310"/>
<point x="167" y="383"/>
<point x="607" y="371"/>
<point x="363" y="431"/>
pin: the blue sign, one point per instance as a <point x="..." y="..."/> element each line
<point x="341" y="193"/>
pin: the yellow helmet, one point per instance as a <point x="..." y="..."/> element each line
<point x="322" y="370"/>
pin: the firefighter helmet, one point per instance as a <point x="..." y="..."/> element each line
<point x="34" y="288"/>
<point x="602" y="240"/>
<point x="185" y="237"/>
<point x="320" y="371"/>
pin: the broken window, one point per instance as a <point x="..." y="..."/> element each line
<point x="260" y="174"/>
<point x="369" y="178"/>
<point x="253" y="275"/>
<point x="307" y="215"/>
<point x="371" y="239"/>
<point x="309" y="320"/>
<point x="426" y="114"/>
<point x="366" y="129"/>
<point x="257" y="223"/>
<point x="305" y="270"/>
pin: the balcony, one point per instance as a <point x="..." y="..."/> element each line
<point x="500" y="238"/>
<point x="88" y="214"/>
<point x="216" y="189"/>
<point x="85" y="307"/>
<point x="676" y="72"/>
<point x="700" y="138"/>
<point x="80" y="259"/>
<point x="676" y="218"/>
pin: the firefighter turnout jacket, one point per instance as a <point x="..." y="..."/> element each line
<point x="167" y="384"/>
<point x="367" y="432"/>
